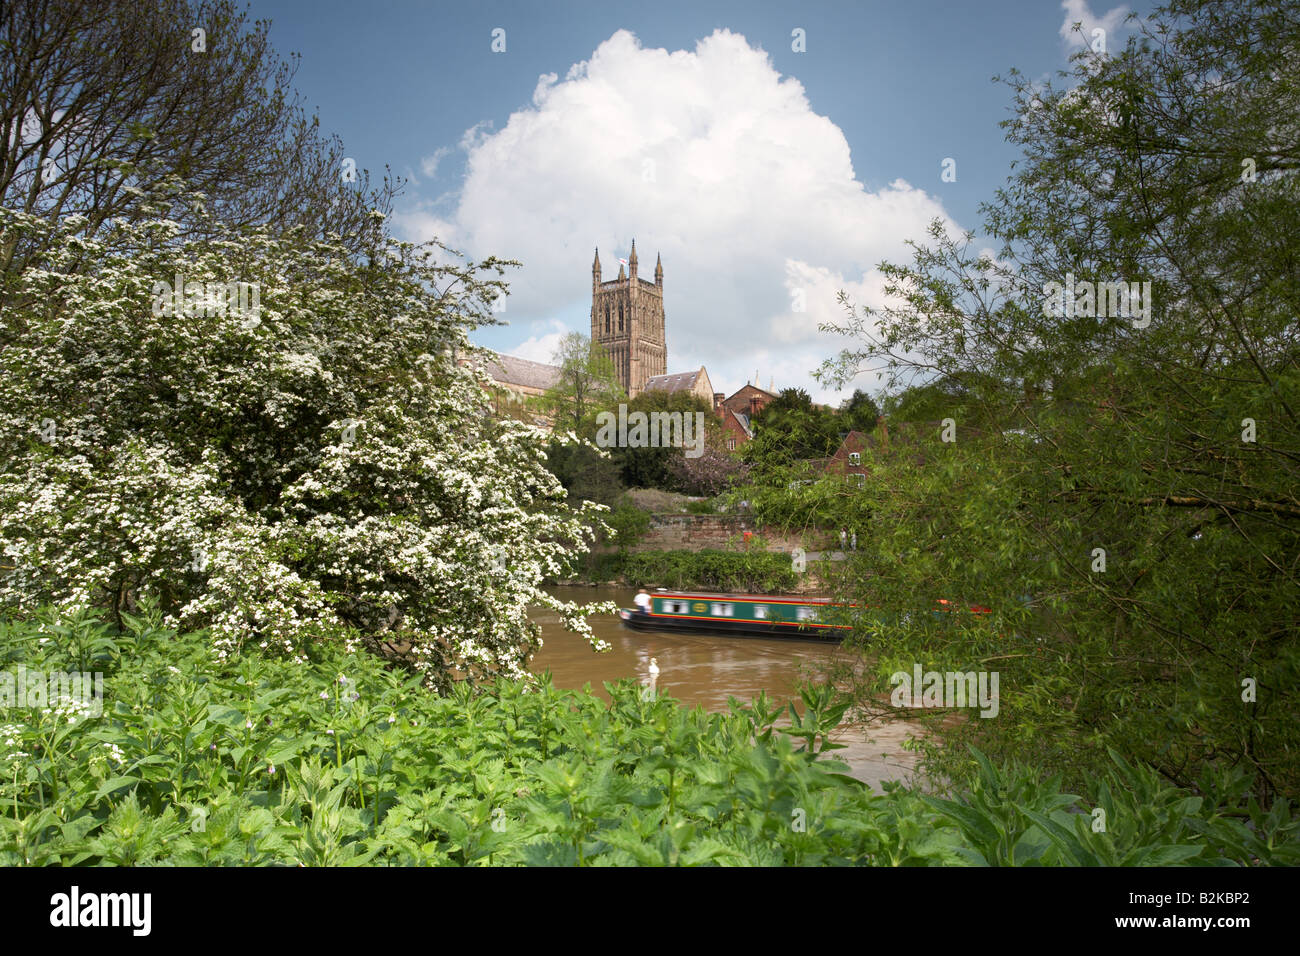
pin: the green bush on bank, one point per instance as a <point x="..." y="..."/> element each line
<point x="750" y="572"/>
<point x="338" y="760"/>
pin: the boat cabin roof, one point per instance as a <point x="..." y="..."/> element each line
<point x="750" y="598"/>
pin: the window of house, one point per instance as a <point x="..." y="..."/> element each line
<point x="723" y="610"/>
<point x="855" y="458"/>
<point x="860" y="478"/>
<point x="731" y="444"/>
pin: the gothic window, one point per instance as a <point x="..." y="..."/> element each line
<point x="620" y="316"/>
<point x="607" y="319"/>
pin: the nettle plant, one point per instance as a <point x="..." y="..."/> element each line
<point x="323" y="466"/>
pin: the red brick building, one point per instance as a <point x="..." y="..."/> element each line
<point x="738" y="411"/>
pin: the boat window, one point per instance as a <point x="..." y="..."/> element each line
<point x="723" y="610"/>
<point x="760" y="611"/>
<point x="806" y="614"/>
<point x="676" y="607"/>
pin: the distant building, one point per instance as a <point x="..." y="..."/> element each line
<point x="627" y="318"/>
<point x="737" y="427"/>
<point x="738" y="412"/>
<point x="522" y="376"/>
<point x="749" y="400"/>
<point x="518" y="380"/>
<point x="695" y="383"/>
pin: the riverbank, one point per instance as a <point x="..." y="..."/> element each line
<point x="755" y="571"/>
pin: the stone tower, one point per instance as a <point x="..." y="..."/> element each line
<point x="627" y="318"/>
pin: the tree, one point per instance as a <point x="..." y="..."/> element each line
<point x="586" y="473"/>
<point x="788" y="430"/>
<point x="119" y="110"/>
<point x="651" y="466"/>
<point x="587" y="380"/>
<point x="859" y="412"/>
<point x="1135" y="522"/>
<point x="278" y="474"/>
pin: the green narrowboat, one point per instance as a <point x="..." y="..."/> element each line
<point x="755" y="615"/>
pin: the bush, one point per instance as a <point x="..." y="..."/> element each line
<point x="754" y="571"/>
<point x="321" y="468"/>
<point x="198" y="760"/>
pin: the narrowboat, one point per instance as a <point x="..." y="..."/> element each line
<point x="754" y="615"/>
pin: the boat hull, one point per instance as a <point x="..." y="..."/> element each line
<point x="641" y="621"/>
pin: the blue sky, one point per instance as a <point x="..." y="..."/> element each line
<point x="768" y="178"/>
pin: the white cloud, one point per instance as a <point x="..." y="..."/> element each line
<point x="429" y="164"/>
<point x="1078" y="11"/>
<point x="710" y="157"/>
<point x="541" y="348"/>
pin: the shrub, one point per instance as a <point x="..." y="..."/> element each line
<point x="198" y="760"/>
<point x="323" y="468"/>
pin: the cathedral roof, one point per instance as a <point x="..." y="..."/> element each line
<point x="517" y="371"/>
<point x="676" y="382"/>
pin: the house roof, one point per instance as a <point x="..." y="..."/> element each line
<point x="753" y="388"/>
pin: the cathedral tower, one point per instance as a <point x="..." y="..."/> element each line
<point x="627" y="318"/>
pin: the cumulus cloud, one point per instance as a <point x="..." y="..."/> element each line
<point x="541" y="346"/>
<point x="713" y="159"/>
<point x="1078" y="11"/>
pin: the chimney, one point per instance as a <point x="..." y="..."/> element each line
<point x="753" y="405"/>
<point x="718" y="399"/>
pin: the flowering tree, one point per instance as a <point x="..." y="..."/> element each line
<point x="283" y="460"/>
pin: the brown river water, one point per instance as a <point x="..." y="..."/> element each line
<point x="706" y="669"/>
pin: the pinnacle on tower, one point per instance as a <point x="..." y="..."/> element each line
<point x="659" y="270"/>
<point x="595" y="269"/>
<point x="631" y="260"/>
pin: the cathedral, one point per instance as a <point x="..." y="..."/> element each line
<point x="627" y="318"/>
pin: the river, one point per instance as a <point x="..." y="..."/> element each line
<point x="704" y="670"/>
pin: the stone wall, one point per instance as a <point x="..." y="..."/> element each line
<point x="677" y="532"/>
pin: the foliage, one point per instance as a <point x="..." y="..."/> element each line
<point x="106" y="104"/>
<point x="788" y="430"/>
<point x="655" y="467"/>
<point x="587" y="382"/>
<point x="753" y="571"/>
<point x="324" y="464"/>
<point x="1131" y="515"/>
<point x="586" y="472"/>
<point x="340" y="762"/>
<point x="628" y="524"/>
<point x="859" y="412"/>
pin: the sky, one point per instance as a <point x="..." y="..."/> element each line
<point x="772" y="153"/>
